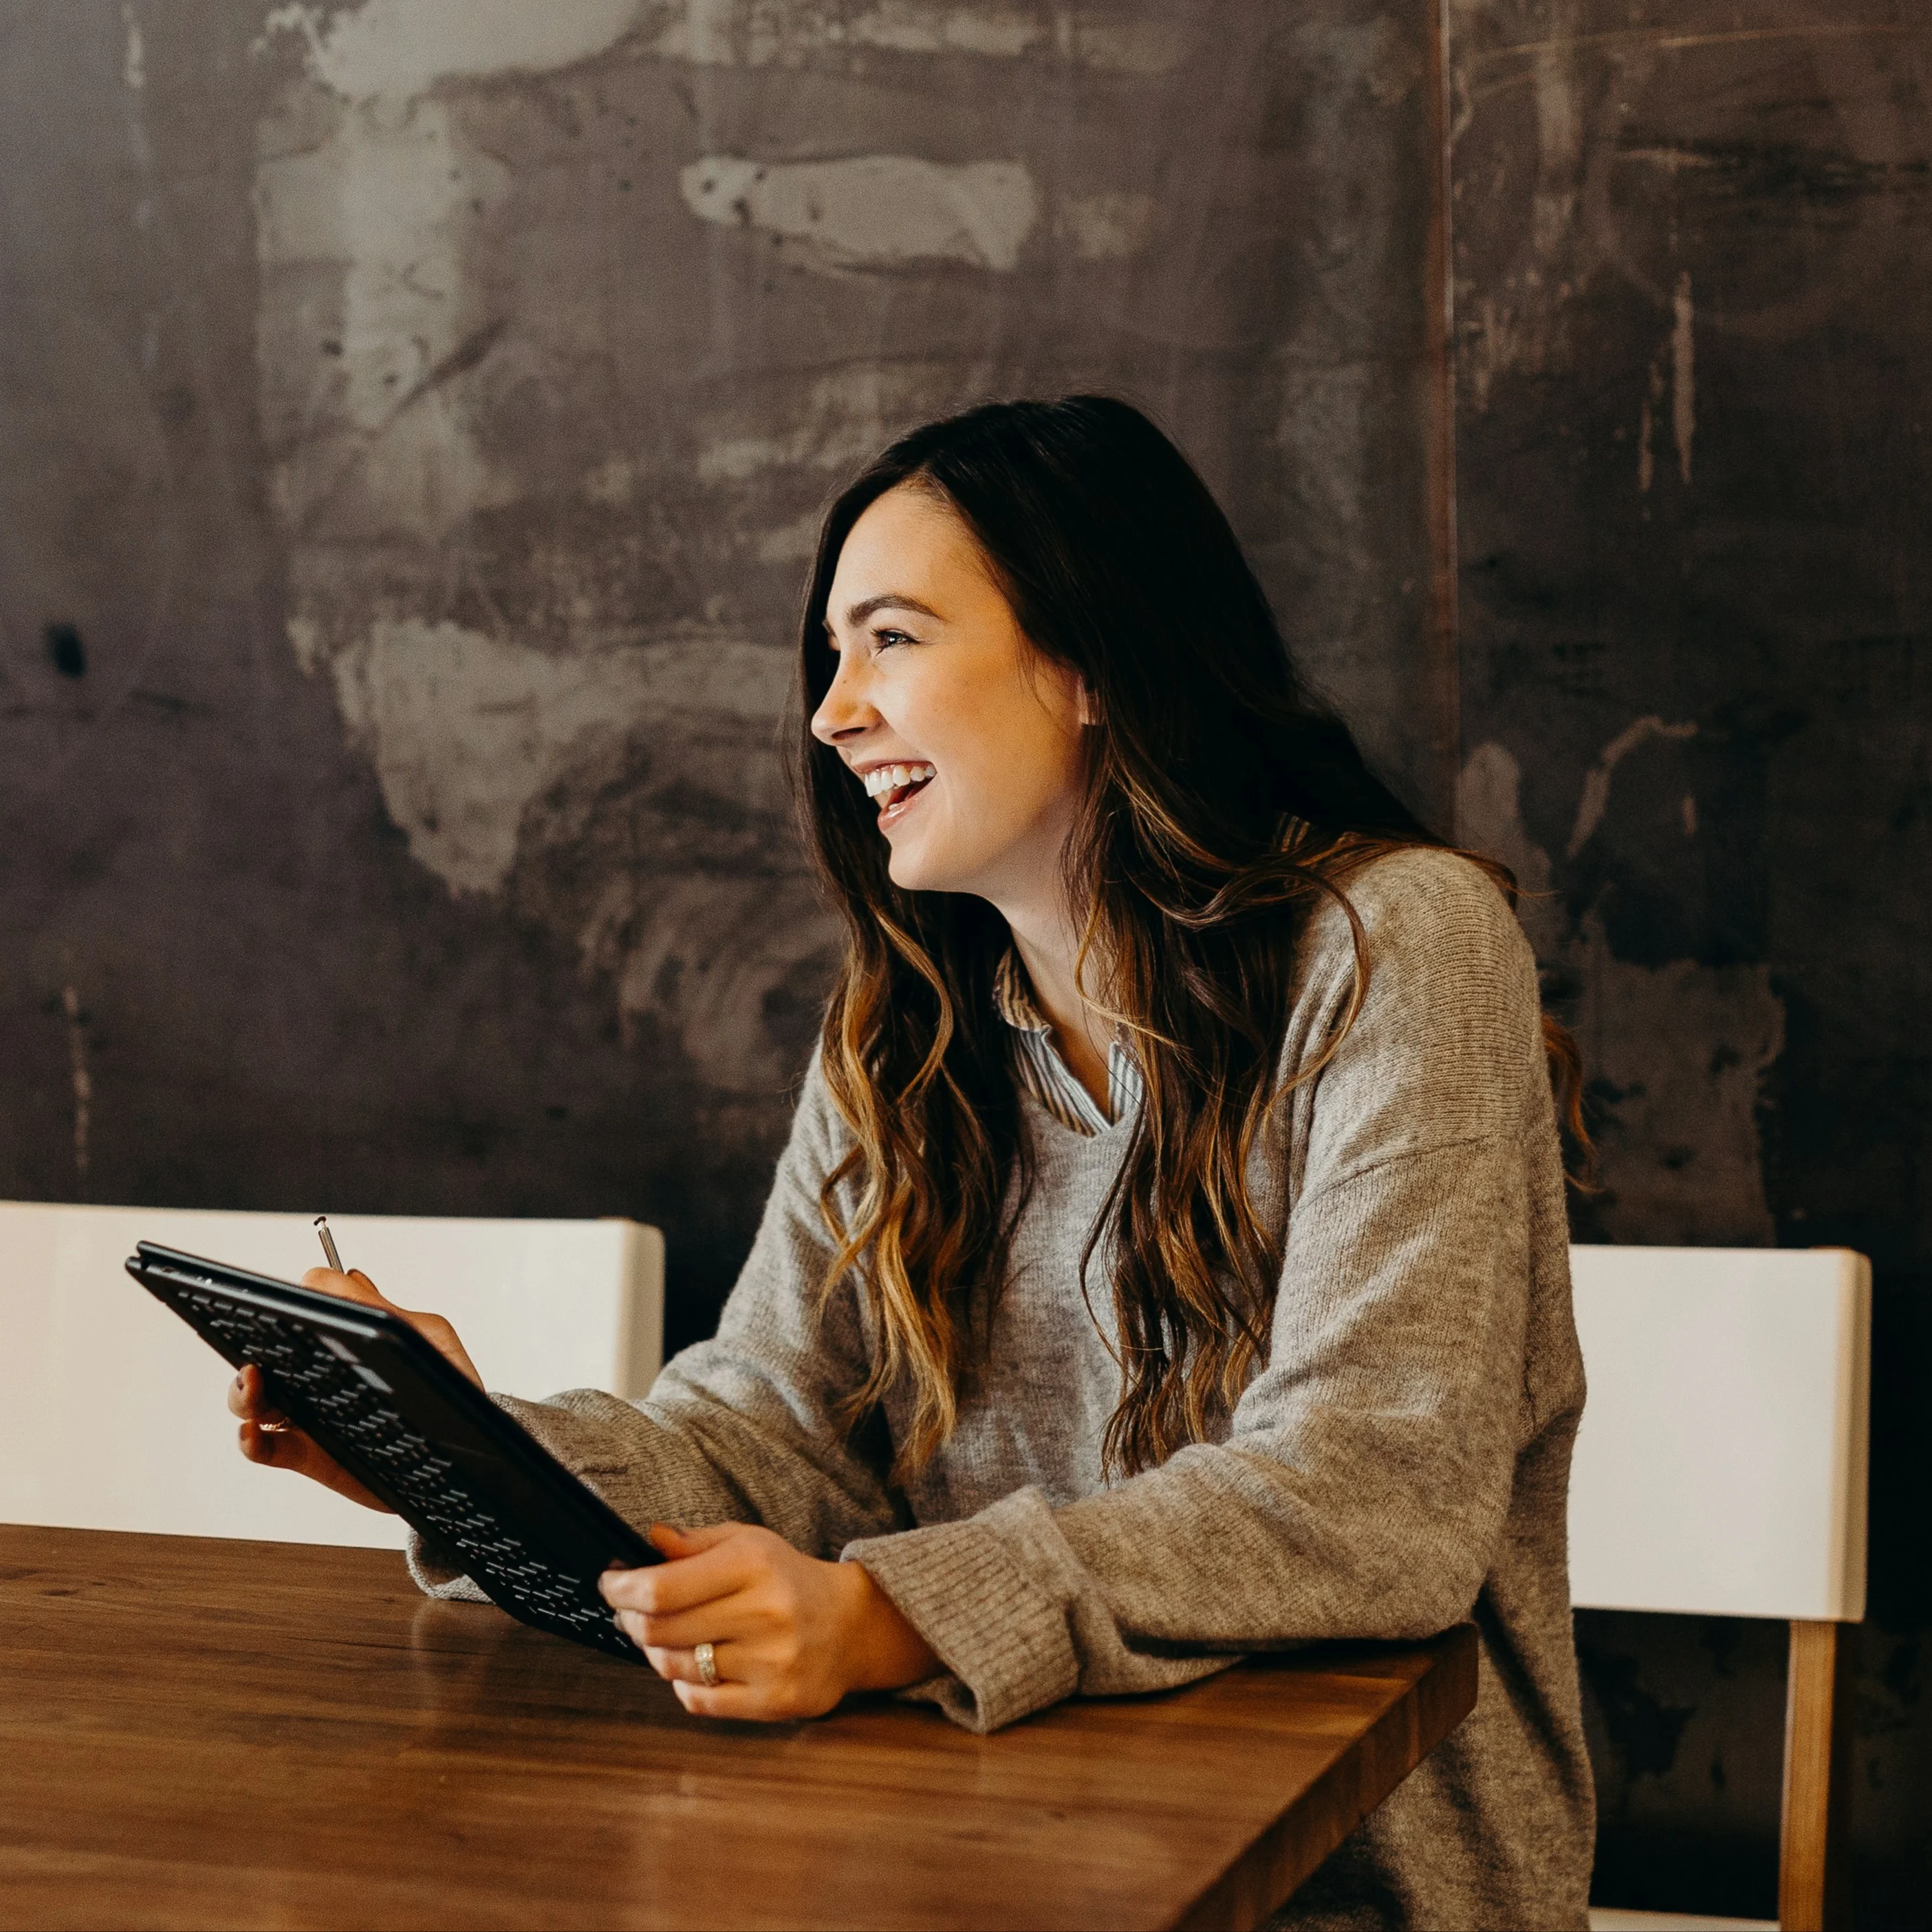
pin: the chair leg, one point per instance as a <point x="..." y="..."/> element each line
<point x="1814" y="1891"/>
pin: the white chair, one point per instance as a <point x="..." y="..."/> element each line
<point x="1721" y="1471"/>
<point x="112" y="1411"/>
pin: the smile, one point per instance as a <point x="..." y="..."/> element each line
<point x="892" y="785"/>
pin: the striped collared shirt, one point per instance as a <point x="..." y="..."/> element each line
<point x="1045" y="1075"/>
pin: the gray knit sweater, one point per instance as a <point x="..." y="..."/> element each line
<point x="1400" y="1465"/>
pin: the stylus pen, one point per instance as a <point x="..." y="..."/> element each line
<point x="328" y="1244"/>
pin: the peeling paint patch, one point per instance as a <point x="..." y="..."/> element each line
<point x="1488" y="817"/>
<point x="1110" y="227"/>
<point x="82" y="1079"/>
<point x="134" y="60"/>
<point x="373" y="439"/>
<point x="871" y="210"/>
<point x="1646" y="430"/>
<point x="305" y="639"/>
<point x="465" y="730"/>
<point x="1391" y="65"/>
<point x="1516" y="335"/>
<point x="366" y="228"/>
<point x="1683" y="373"/>
<point x="397" y="49"/>
<point x="1001" y="33"/>
<point x="848" y="416"/>
<point x="762" y="33"/>
<point x="1596" y="798"/>
<point x="1559" y="141"/>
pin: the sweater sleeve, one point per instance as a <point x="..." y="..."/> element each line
<point x="745" y="1427"/>
<point x="1363" y="1485"/>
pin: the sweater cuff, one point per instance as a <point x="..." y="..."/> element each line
<point x="1004" y="1639"/>
<point x="433" y="1579"/>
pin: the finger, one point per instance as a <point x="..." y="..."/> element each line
<point x="679" y="1664"/>
<point x="252" y="1404"/>
<point x="282" y="1448"/>
<point x="248" y="1397"/>
<point x="743" y="1701"/>
<point x="675" y="1542"/>
<point x="733" y="1619"/>
<point x="684" y="1582"/>
<point x="354" y="1285"/>
<point x="292" y="1450"/>
<point x="257" y="1444"/>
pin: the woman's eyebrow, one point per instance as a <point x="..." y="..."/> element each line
<point x="858" y="612"/>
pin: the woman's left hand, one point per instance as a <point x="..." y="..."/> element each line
<point x="790" y="1635"/>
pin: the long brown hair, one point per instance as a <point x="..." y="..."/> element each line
<point x="1222" y="802"/>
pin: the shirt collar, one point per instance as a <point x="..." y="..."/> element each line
<point x="1013" y="997"/>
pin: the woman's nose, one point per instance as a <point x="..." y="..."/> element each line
<point x="845" y="710"/>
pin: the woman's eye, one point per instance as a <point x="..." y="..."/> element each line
<point x="887" y="638"/>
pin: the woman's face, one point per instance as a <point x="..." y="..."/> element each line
<point x="966" y="738"/>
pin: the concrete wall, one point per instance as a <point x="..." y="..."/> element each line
<point x="1693" y="302"/>
<point x="414" y="421"/>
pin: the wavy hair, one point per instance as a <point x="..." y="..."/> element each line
<point x="1222" y="801"/>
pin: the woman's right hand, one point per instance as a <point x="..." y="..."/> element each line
<point x="268" y="1436"/>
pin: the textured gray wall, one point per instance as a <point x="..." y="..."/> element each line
<point x="1694" y="350"/>
<point x="413" y="418"/>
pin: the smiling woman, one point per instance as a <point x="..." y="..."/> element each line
<point x="1170" y="1258"/>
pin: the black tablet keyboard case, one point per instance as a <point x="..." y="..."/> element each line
<point x="488" y="1496"/>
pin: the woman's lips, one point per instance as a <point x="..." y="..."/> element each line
<point x="899" y="802"/>
<point x="895" y="783"/>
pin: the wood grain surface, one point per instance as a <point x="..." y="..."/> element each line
<point x="213" y="1733"/>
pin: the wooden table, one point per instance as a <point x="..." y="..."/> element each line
<point x="210" y="1733"/>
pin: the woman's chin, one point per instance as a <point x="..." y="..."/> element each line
<point x="905" y="871"/>
<point x="913" y="868"/>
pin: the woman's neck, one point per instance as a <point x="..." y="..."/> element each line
<point x="1049" y="945"/>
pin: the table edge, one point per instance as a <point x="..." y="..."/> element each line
<point x="1266" y="1872"/>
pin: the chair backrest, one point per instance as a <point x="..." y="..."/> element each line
<point x="111" y="1408"/>
<point x="1720" y="1466"/>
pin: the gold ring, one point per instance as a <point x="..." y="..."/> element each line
<point x="707" y="1666"/>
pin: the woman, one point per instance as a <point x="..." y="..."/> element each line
<point x="1169" y="1260"/>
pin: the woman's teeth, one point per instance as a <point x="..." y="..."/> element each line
<point x="890" y="784"/>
